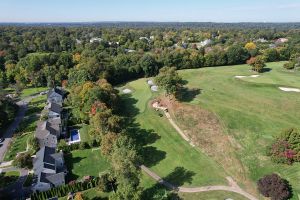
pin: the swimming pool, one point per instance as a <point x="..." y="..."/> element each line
<point x="74" y="136"/>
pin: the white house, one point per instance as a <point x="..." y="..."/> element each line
<point x="95" y="39"/>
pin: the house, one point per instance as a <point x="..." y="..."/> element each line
<point x="49" y="168"/>
<point x="205" y="43"/>
<point x="261" y="40"/>
<point x="48" y="132"/>
<point x="281" y="40"/>
<point x="129" y="50"/>
<point x="56" y="95"/>
<point x="54" y="110"/>
<point x="95" y="39"/>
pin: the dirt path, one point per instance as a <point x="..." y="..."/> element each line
<point x="233" y="186"/>
<point x="181" y="133"/>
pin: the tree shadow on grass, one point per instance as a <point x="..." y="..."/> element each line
<point x="70" y="161"/>
<point x="178" y="177"/>
<point x="266" y="70"/>
<point x="152" y="156"/>
<point x="187" y="94"/>
<point x="141" y="137"/>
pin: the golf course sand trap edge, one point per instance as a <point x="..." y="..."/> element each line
<point x="287" y="89"/>
<point x="252" y="76"/>
<point x="126" y="91"/>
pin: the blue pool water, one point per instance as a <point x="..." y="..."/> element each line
<point x="74" y="135"/>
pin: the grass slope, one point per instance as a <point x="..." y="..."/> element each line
<point x="253" y="111"/>
<point x="168" y="154"/>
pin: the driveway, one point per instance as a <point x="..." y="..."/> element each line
<point x="23" y="104"/>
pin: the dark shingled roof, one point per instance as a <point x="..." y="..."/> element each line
<point x="44" y="128"/>
<point x="52" y="178"/>
<point x="54" y="107"/>
<point x="57" y="90"/>
<point x="48" y="151"/>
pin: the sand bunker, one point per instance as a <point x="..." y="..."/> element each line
<point x="154" y="88"/>
<point x="126" y="91"/>
<point x="289" y="89"/>
<point x="150" y="82"/>
<point x="240" y="76"/>
<point x="252" y="76"/>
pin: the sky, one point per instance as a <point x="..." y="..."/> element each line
<point x="150" y="10"/>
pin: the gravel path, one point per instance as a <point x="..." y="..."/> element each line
<point x="233" y="186"/>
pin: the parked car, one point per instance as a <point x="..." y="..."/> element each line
<point x="2" y="140"/>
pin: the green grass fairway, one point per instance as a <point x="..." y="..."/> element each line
<point x="166" y="153"/>
<point x="214" y="195"/>
<point x="32" y="90"/>
<point x="86" y="162"/>
<point x="253" y="111"/>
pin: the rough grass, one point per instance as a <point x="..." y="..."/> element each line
<point x="214" y="195"/>
<point x="86" y="162"/>
<point x="26" y="127"/>
<point x="18" y="144"/>
<point x="32" y="90"/>
<point x="165" y="152"/>
<point x="253" y="111"/>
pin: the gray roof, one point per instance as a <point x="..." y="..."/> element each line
<point x="57" y="90"/>
<point x="44" y="128"/>
<point x="54" y="107"/>
<point x="52" y="178"/>
<point x="46" y="159"/>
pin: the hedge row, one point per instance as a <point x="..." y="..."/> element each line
<point x="64" y="190"/>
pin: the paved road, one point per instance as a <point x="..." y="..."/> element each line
<point x="233" y="186"/>
<point x="23" y="104"/>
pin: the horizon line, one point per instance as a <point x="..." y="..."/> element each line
<point x="125" y="21"/>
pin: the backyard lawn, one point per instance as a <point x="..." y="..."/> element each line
<point x="86" y="162"/>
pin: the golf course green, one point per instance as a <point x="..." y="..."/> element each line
<point x="252" y="110"/>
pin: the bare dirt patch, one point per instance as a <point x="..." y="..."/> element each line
<point x="205" y="131"/>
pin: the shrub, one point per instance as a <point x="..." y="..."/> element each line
<point x="83" y="145"/>
<point x="23" y="160"/>
<point x="34" y="144"/>
<point x="275" y="187"/>
<point x="286" y="148"/>
<point x="63" y="190"/>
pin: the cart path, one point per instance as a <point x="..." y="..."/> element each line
<point x="233" y="186"/>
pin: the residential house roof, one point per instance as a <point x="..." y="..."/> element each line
<point x="52" y="178"/>
<point x="54" y="107"/>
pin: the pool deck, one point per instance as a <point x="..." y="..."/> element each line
<point x="75" y="141"/>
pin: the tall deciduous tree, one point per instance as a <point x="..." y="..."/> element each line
<point x="169" y="79"/>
